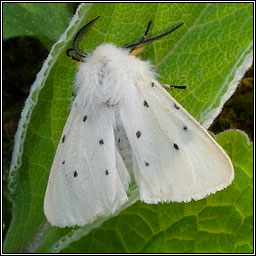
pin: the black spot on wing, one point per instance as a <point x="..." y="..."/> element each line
<point x="177" y="107"/>
<point x="146" y="163"/>
<point x="185" y="128"/>
<point x="138" y="134"/>
<point x="63" y="162"/>
<point x="75" y="174"/>
<point x="176" y="146"/>
<point x="101" y="142"/>
<point x="84" y="118"/>
<point x="106" y="172"/>
<point x="152" y="84"/>
<point x="63" y="139"/>
<point x="145" y="104"/>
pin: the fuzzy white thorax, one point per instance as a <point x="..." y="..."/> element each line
<point x="109" y="73"/>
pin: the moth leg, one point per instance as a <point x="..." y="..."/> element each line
<point x="174" y="86"/>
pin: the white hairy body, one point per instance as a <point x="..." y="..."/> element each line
<point x="123" y="127"/>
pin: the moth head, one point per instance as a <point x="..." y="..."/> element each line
<point x="135" y="48"/>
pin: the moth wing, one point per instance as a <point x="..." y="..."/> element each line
<point x="88" y="178"/>
<point x="178" y="160"/>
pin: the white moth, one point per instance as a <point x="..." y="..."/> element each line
<point x="124" y="127"/>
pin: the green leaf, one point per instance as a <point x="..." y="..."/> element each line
<point x="47" y="21"/>
<point x="209" y="54"/>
